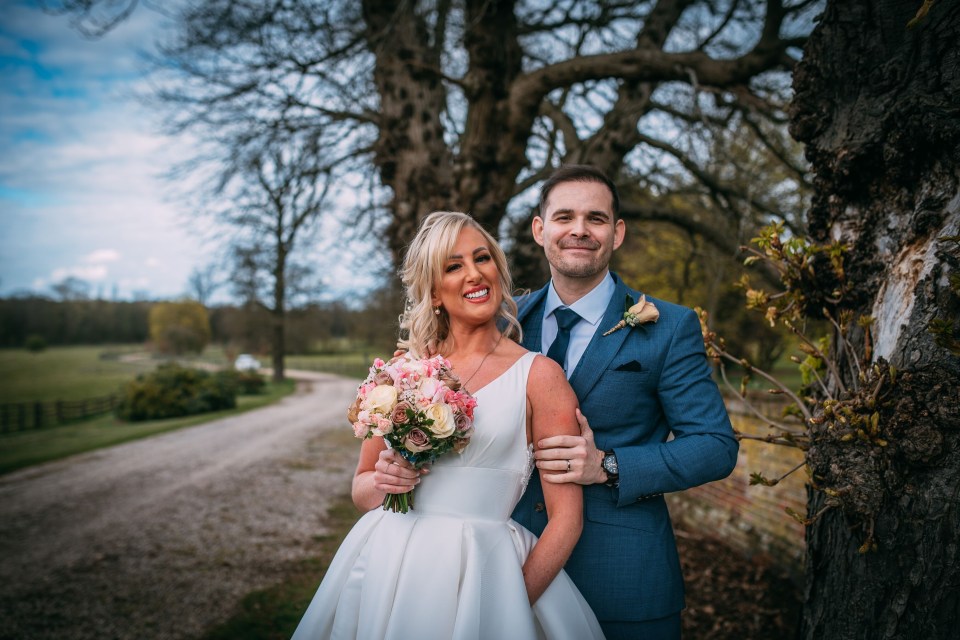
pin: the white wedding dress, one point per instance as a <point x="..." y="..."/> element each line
<point x="451" y="567"/>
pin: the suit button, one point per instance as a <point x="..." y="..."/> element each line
<point x="539" y="507"/>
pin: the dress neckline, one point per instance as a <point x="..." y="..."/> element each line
<point x="505" y="372"/>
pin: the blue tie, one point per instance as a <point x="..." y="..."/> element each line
<point x="566" y="319"/>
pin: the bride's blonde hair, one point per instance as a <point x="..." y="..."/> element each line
<point x="421" y="273"/>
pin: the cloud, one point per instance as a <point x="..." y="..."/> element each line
<point x="102" y="255"/>
<point x="95" y="273"/>
<point x="134" y="283"/>
<point x="80" y="175"/>
<point x="82" y="164"/>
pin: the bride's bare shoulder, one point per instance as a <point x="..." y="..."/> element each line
<point x="547" y="374"/>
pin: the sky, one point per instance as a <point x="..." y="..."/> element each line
<point x="82" y="187"/>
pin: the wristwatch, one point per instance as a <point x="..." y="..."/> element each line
<point x="611" y="468"/>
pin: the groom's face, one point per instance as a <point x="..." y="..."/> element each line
<point x="578" y="231"/>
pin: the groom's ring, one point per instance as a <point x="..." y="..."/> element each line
<point x="568" y="466"/>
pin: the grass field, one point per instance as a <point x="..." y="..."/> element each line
<point x="67" y="373"/>
<point x="78" y="372"/>
<point x="354" y="364"/>
<point x="25" y="448"/>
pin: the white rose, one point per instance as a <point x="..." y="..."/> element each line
<point x="381" y="399"/>
<point x="443" y="423"/>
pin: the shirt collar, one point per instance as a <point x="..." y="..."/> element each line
<point x="590" y="307"/>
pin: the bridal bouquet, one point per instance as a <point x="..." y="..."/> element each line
<point x="418" y="407"/>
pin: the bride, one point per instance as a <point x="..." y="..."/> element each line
<point x="456" y="565"/>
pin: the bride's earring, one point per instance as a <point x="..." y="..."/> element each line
<point x="436" y="311"/>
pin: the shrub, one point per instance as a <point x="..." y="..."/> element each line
<point x="247" y="382"/>
<point x="35" y="343"/>
<point x="171" y="391"/>
<point x="179" y="327"/>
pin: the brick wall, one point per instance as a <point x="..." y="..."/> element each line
<point x="751" y="518"/>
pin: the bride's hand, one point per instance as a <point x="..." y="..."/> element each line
<point x="393" y="474"/>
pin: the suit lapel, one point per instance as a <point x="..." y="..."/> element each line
<point x="601" y="349"/>
<point x="530" y="315"/>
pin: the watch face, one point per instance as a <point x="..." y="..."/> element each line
<point x="610" y="464"/>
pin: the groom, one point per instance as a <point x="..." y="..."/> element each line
<point x="639" y="385"/>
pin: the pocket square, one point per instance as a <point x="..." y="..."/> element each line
<point x="633" y="365"/>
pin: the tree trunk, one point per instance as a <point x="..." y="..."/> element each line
<point x="278" y="313"/>
<point x="410" y="152"/>
<point x="491" y="155"/>
<point x="878" y="106"/>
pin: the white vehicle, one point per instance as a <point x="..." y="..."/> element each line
<point x="246" y="362"/>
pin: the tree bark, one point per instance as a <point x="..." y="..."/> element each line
<point x="878" y="106"/>
<point x="491" y="156"/>
<point x="278" y="314"/>
<point x="502" y="101"/>
<point x="410" y="152"/>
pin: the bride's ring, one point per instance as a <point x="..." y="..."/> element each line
<point x="568" y="466"/>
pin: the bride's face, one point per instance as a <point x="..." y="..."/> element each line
<point x="469" y="287"/>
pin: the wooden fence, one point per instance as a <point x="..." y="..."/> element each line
<point x="22" y="416"/>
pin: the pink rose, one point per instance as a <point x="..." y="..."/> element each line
<point x="360" y="430"/>
<point x="383" y="378"/>
<point x="399" y="415"/>
<point x="384" y="426"/>
<point x="417" y="441"/>
<point x="462" y="401"/>
<point x="429" y="387"/>
<point x="463" y="422"/>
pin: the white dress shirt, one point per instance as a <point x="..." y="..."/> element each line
<point x="590" y="308"/>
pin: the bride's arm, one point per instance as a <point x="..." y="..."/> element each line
<point x="380" y="471"/>
<point x="551" y="408"/>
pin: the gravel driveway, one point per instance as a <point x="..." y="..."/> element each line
<point x="161" y="537"/>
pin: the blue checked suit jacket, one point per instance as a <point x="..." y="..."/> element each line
<point x="637" y="386"/>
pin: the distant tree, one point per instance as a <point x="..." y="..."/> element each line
<point x="72" y="322"/>
<point x="72" y="288"/>
<point x="179" y="327"/>
<point x="35" y="343"/>
<point x="202" y="283"/>
<point x="272" y="200"/>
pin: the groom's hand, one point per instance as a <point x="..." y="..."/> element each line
<point x="576" y="457"/>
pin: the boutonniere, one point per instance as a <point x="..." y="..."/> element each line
<point x="634" y="314"/>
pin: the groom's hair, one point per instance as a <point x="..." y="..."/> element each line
<point x="578" y="173"/>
